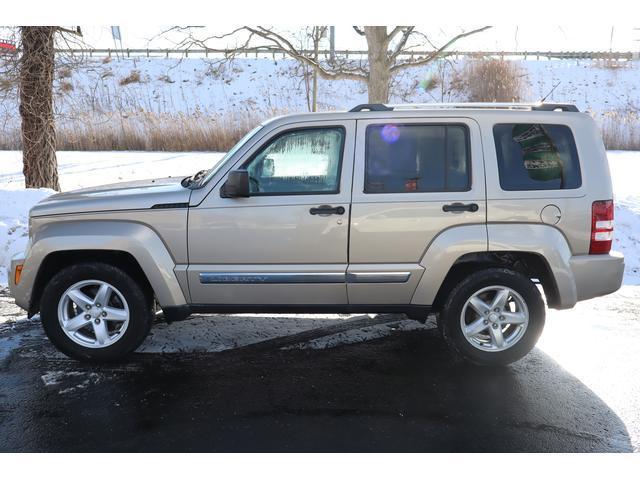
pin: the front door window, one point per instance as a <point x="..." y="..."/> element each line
<point x="303" y="161"/>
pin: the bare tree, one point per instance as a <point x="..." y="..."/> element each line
<point x="310" y="39"/>
<point x="36" y="70"/>
<point x="389" y="52"/>
<point x="316" y="34"/>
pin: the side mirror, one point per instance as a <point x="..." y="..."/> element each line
<point x="237" y="185"/>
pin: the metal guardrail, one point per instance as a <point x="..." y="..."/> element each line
<point x="186" y="53"/>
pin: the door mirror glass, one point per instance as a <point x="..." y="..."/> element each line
<point x="237" y="185"/>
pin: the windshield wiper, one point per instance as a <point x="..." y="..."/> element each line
<point x="196" y="177"/>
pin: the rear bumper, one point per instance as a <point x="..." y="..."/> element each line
<point x="597" y="275"/>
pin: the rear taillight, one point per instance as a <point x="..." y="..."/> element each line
<point x="601" y="227"/>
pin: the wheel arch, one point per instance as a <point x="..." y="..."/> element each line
<point x="530" y="264"/>
<point x="539" y="251"/>
<point x="56" y="261"/>
<point x="132" y="246"/>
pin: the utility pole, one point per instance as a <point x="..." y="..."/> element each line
<point x="117" y="36"/>
<point x="332" y="44"/>
<point x="611" y="40"/>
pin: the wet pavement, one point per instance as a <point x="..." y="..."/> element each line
<point x="394" y="392"/>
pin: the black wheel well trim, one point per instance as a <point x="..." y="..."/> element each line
<point x="531" y="264"/>
<point x="56" y="261"/>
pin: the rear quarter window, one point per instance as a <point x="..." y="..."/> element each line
<point x="536" y="156"/>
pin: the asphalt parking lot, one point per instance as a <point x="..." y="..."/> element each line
<point x="395" y="390"/>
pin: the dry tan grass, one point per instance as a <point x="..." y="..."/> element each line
<point x="133" y="77"/>
<point x="65" y="87"/>
<point x="620" y="129"/>
<point x="490" y="80"/>
<point x="199" y="132"/>
<point x="155" y="132"/>
<point x="166" y="79"/>
<point x="7" y="84"/>
<point x="64" y="72"/>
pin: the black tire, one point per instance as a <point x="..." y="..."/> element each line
<point x="450" y="325"/>
<point x="140" y="302"/>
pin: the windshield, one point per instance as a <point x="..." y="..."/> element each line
<point x="228" y="155"/>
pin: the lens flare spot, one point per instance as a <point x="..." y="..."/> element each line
<point x="390" y="133"/>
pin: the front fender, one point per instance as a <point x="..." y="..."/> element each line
<point x="137" y="239"/>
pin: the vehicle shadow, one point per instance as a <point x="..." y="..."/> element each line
<point x="402" y="392"/>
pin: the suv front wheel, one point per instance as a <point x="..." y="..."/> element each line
<point x="95" y="312"/>
<point x="493" y="317"/>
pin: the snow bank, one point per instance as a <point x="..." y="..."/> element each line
<point x="187" y="85"/>
<point x="89" y="169"/>
<point x="85" y="169"/>
<point x="625" y="175"/>
<point x="14" y="222"/>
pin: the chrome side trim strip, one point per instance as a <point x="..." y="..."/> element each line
<point x="378" y="277"/>
<point x="286" y="277"/>
<point x="264" y="278"/>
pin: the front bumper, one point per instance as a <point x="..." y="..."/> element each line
<point x="597" y="275"/>
<point x="21" y="292"/>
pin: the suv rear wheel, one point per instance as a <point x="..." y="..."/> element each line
<point x="95" y="312"/>
<point x="493" y="317"/>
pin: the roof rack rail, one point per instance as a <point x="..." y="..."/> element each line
<point x="552" y="107"/>
<point x="371" y="107"/>
<point x="540" y="107"/>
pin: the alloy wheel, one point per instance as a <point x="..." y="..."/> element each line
<point x="93" y="313"/>
<point x="494" y="318"/>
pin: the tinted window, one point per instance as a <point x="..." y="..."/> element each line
<point x="416" y="158"/>
<point x="300" y="161"/>
<point x="534" y="156"/>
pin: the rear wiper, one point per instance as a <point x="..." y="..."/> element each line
<point x="187" y="181"/>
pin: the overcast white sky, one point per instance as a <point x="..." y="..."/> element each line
<point x="527" y="37"/>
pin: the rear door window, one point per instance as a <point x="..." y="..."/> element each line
<point x="417" y="158"/>
<point x="536" y="156"/>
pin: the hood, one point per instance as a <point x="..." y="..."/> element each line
<point x="137" y="195"/>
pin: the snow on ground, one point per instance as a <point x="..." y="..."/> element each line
<point x="216" y="333"/>
<point x="89" y="169"/>
<point x="625" y="175"/>
<point x="14" y="223"/>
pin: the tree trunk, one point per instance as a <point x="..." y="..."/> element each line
<point x="379" y="64"/>
<point x="36" y="108"/>
<point x="316" y="46"/>
<point x="314" y="102"/>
